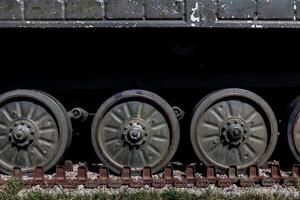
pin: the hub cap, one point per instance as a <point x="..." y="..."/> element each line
<point x="234" y="132"/>
<point x="22" y="133"/>
<point x="135" y="133"/>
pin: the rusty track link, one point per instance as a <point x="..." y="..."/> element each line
<point x="189" y="179"/>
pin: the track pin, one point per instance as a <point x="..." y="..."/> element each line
<point x="253" y="173"/>
<point x="103" y="176"/>
<point x="275" y="173"/>
<point x="38" y="176"/>
<point x="190" y="174"/>
<point x="69" y="166"/>
<point x="147" y="175"/>
<point x="169" y="175"/>
<point x="60" y="175"/>
<point x="82" y="175"/>
<point x="17" y="173"/>
<point x="126" y="175"/>
<point x="296" y="170"/>
<point x="211" y="174"/>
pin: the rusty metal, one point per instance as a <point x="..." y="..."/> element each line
<point x="190" y="174"/>
<point x="169" y="175"/>
<point x="114" y="183"/>
<point x="17" y="173"/>
<point x="69" y="166"/>
<point x="136" y="183"/>
<point x="186" y="180"/>
<point x="268" y="182"/>
<point x="275" y="173"/>
<point x="211" y="174"/>
<point x="82" y="175"/>
<point x="246" y="182"/>
<point x="91" y="184"/>
<point x="60" y="175"/>
<point x="231" y="178"/>
<point x="103" y="176"/>
<point x="180" y="183"/>
<point x="147" y="175"/>
<point x="126" y="176"/>
<point x="158" y="183"/>
<point x="38" y="176"/>
<point x="70" y="184"/>
<point x="253" y="173"/>
<point x="224" y="182"/>
<point x="202" y="182"/>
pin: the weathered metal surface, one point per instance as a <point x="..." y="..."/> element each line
<point x="233" y="127"/>
<point x="47" y="9"/>
<point x="84" y="9"/>
<point x="135" y="128"/>
<point x="168" y="178"/>
<point x="150" y="13"/>
<point x="275" y="9"/>
<point x="10" y="10"/>
<point x="33" y="135"/>
<point x="229" y="9"/>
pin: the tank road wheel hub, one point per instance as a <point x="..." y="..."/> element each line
<point x="34" y="131"/>
<point x="233" y="127"/>
<point x="135" y="129"/>
<point x="22" y="133"/>
<point x="135" y="132"/>
<point x="234" y="131"/>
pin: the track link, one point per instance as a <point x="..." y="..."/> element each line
<point x="189" y="178"/>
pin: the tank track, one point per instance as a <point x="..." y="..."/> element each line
<point x="69" y="177"/>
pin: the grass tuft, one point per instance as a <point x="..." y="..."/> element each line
<point x="12" y="190"/>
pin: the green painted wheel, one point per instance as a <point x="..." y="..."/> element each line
<point x="135" y="129"/>
<point x="233" y="127"/>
